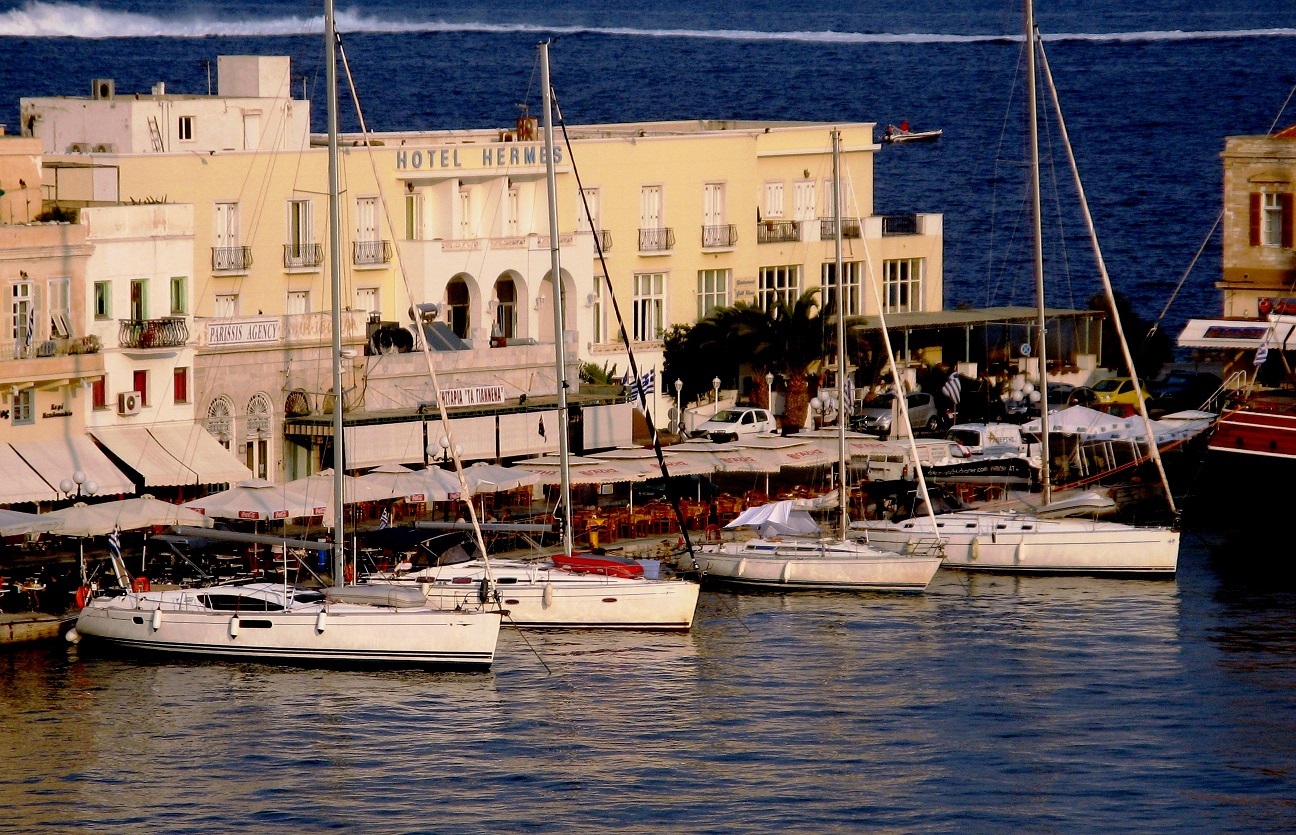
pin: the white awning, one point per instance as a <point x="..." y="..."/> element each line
<point x="20" y="482"/>
<point x="137" y="449"/>
<point x="57" y="460"/>
<point x="195" y="447"/>
<point x="1240" y="334"/>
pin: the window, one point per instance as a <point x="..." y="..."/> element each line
<point x="301" y="235"/>
<point x="180" y="385"/>
<point x="465" y="213"/>
<point x="99" y="393"/>
<point x="804" y="200"/>
<point x="58" y="299"/>
<point x="103" y="299"/>
<point x="649" y="306"/>
<point x="1271" y="219"/>
<point x="226" y="306"/>
<point x="852" y="271"/>
<point x="298" y="302"/>
<point x="597" y="308"/>
<point x="830" y="200"/>
<point x="512" y="220"/>
<point x="457" y="300"/>
<point x="587" y="211"/>
<point x="774" y="199"/>
<point x="179" y="296"/>
<point x="139" y="299"/>
<point x="24" y="314"/>
<point x="139" y="380"/>
<point x="414" y="216"/>
<point x="714" y="230"/>
<point x="23" y="406"/>
<point x="226" y="230"/>
<point x="366" y="299"/>
<point x="778" y="285"/>
<point x="258" y="429"/>
<point x="185" y="129"/>
<point x="220" y="420"/>
<point x="506" y="308"/>
<point x="902" y="290"/>
<point x="713" y="291"/>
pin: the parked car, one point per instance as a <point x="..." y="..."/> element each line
<point x="874" y="416"/>
<point x="1117" y="391"/>
<point x="1181" y="390"/>
<point x="730" y="424"/>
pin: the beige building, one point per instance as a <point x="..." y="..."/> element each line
<point x="1259" y="253"/>
<point x="688" y="216"/>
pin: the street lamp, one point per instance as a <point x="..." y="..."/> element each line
<point x="769" y="391"/>
<point x="79" y="485"/>
<point x="715" y="386"/>
<point x="679" y="406"/>
<point x="444" y="443"/>
<point x="816" y="407"/>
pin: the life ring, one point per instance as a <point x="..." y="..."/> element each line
<point x="140" y="584"/>
<point x="82" y="596"/>
<point x="1265" y="306"/>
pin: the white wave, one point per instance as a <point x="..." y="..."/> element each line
<point x="37" y="19"/>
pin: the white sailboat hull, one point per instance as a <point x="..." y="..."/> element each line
<point x="976" y="541"/>
<point x="820" y="566"/>
<point x="175" y="622"/>
<point x="541" y="595"/>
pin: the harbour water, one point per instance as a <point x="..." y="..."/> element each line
<point x="986" y="704"/>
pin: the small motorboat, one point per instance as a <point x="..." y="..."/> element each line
<point x="894" y="134"/>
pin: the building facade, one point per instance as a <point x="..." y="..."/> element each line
<point x="1259" y="250"/>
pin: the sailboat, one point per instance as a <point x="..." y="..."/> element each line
<point x="346" y="625"/>
<point x="1028" y="542"/>
<point x="787" y="554"/>
<point x="571" y="591"/>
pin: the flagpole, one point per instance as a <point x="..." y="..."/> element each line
<point x="656" y="414"/>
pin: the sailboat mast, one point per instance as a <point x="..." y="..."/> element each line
<point x="335" y="284"/>
<point x="1032" y="118"/>
<point x="555" y="271"/>
<point x="842" y="493"/>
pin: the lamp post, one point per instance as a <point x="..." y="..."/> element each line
<point x="679" y="406"/>
<point x="78" y="486"/>
<point x="816" y="410"/>
<point x="715" y="402"/>
<point x="769" y="391"/>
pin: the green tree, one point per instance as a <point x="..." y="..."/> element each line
<point x="1150" y="351"/>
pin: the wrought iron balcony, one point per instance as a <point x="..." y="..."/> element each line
<point x="850" y="228"/>
<point x="723" y="235"/>
<point x="303" y="255"/>
<point x="231" y="258"/>
<point x="657" y="240"/>
<point x="778" y="231"/>
<point x="171" y="332"/>
<point x="604" y="239"/>
<point x="899" y="225"/>
<point x="371" y="252"/>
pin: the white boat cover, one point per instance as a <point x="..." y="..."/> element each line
<point x="776" y="519"/>
<point x="379" y="594"/>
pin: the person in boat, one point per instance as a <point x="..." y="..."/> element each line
<point x="403" y="566"/>
<point x="888" y="133"/>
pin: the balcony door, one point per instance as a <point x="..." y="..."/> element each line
<point x="650" y="207"/>
<point x="226" y="232"/>
<point x="803" y="200"/>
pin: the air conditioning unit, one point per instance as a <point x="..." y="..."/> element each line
<point x="102" y="88"/>
<point x="128" y="403"/>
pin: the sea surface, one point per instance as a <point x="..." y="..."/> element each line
<point x="986" y="704"/>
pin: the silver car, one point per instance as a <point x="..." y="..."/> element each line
<point x="874" y="416"/>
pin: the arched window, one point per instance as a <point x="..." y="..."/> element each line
<point x="258" y="435"/>
<point x="220" y="420"/>
<point x="457" y="303"/>
<point x="506" y="308"/>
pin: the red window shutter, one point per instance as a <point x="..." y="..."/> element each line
<point x="99" y="393"/>
<point x="181" y="385"/>
<point x="140" y="379"/>
<point x="1256" y="211"/>
<point x="1285" y="203"/>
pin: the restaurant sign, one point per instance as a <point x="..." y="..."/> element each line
<point x="473" y="396"/>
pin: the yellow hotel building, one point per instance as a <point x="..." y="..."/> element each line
<point x="453" y="226"/>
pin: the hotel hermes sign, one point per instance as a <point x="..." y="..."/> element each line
<point x="507" y="155"/>
<point x="243" y="331"/>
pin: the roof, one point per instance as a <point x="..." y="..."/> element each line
<point x="962" y="317"/>
<point x="1243" y="334"/>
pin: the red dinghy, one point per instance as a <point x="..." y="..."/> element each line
<point x="599" y="564"/>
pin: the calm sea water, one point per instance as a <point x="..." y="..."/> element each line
<point x="987" y="704"/>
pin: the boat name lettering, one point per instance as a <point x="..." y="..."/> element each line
<point x="472" y="396"/>
<point x="243" y="333"/>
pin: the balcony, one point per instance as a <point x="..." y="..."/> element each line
<point x="719" y="236"/>
<point x="827" y="229"/>
<point x="370" y="253"/>
<point x="303" y="255"/>
<point x="230" y="259"/>
<point x="171" y="332"/>
<point x="899" y="225"/>
<point x="604" y="239"/>
<point x="67" y="347"/>
<point x="778" y="231"/>
<point x="661" y="239"/>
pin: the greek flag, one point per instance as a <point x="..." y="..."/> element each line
<point x="648" y="384"/>
<point x="953" y="388"/>
<point x="384" y="521"/>
<point x="31" y="325"/>
<point x="114" y="544"/>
